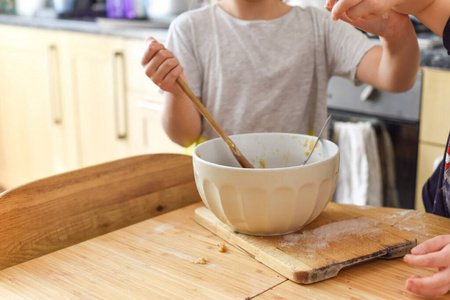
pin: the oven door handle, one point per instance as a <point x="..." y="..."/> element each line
<point x="367" y="93"/>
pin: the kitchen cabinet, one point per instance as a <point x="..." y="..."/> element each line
<point x="70" y="100"/>
<point x="145" y="103"/>
<point x="146" y="132"/>
<point x="434" y="125"/>
<point x="32" y="127"/>
<point x="426" y="157"/>
<point x="94" y="66"/>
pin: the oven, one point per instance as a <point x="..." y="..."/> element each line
<point x="398" y="114"/>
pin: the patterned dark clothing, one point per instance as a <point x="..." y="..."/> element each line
<point x="446" y="36"/>
<point x="436" y="191"/>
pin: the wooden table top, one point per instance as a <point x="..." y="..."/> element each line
<point x="155" y="259"/>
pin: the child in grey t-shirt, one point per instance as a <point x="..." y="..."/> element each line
<point x="263" y="66"/>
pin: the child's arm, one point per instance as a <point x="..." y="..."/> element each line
<point x="180" y="118"/>
<point x="394" y="66"/>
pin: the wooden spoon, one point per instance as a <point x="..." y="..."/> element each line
<point x="202" y="109"/>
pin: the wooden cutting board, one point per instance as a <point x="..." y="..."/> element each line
<point x="336" y="239"/>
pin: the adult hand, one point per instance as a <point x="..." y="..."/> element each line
<point x="355" y="9"/>
<point x="433" y="253"/>
<point x="373" y="16"/>
<point x="161" y="65"/>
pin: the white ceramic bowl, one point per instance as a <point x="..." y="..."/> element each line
<point x="278" y="196"/>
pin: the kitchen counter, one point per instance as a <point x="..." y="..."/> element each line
<point x="142" y="239"/>
<point x="134" y="30"/>
<point x="156" y="259"/>
<point x="430" y="57"/>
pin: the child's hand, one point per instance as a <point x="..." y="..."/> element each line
<point x="433" y="253"/>
<point x="161" y="66"/>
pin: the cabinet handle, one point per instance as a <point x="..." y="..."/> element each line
<point x="120" y="103"/>
<point x="55" y="86"/>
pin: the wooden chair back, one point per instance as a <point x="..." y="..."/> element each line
<point x="56" y="212"/>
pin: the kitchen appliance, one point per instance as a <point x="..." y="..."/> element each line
<point x="125" y="9"/>
<point x="7" y="7"/>
<point x="63" y="6"/>
<point x="396" y="113"/>
<point x="86" y="9"/>
<point x="28" y="8"/>
<point x="167" y="10"/>
<point x="338" y="238"/>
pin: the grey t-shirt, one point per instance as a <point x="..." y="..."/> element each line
<point x="265" y="76"/>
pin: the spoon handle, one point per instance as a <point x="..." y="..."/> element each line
<point x="317" y="140"/>
<point x="205" y="113"/>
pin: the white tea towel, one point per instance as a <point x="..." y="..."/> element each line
<point x="359" y="181"/>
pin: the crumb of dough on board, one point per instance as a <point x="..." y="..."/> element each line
<point x="222" y="247"/>
<point x="200" y="261"/>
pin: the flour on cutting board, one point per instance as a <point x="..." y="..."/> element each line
<point x="409" y="228"/>
<point x="163" y="227"/>
<point x="399" y="214"/>
<point x="421" y="227"/>
<point x="320" y="237"/>
<point x="183" y="256"/>
<point x="405" y="216"/>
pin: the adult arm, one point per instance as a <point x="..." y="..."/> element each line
<point x="432" y="13"/>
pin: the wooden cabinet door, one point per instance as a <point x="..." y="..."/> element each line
<point x="434" y="125"/>
<point x="97" y="91"/>
<point x="434" y="119"/>
<point x="146" y="132"/>
<point x="136" y="80"/>
<point x="428" y="153"/>
<point x="145" y="104"/>
<point x="32" y="132"/>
